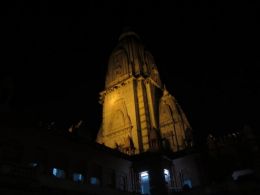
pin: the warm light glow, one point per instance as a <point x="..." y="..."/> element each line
<point x="132" y="103"/>
<point x="71" y="129"/>
<point x="113" y="99"/>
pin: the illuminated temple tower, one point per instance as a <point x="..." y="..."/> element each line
<point x="139" y="114"/>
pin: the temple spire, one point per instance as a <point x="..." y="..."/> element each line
<point x="165" y="91"/>
<point x="135" y="102"/>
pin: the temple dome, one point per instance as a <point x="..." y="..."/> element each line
<point x="130" y="58"/>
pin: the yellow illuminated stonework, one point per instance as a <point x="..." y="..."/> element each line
<point x="138" y="113"/>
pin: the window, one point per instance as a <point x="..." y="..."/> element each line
<point x="78" y="177"/>
<point x="167" y="176"/>
<point x="95" y="173"/>
<point x="58" y="173"/>
<point x="94" y="181"/>
<point x="144" y="182"/>
<point x="187" y="183"/>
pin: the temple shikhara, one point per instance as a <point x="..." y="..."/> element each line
<point x="139" y="114"/>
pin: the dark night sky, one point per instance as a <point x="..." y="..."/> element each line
<point x="204" y="50"/>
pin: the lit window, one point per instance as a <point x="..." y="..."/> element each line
<point x="167" y="176"/>
<point x="144" y="174"/>
<point x="145" y="184"/>
<point x="94" y="181"/>
<point x="187" y="183"/>
<point x="58" y="173"/>
<point x="166" y="172"/>
<point x="77" y="177"/>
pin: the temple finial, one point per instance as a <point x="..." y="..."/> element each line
<point x="165" y="91"/>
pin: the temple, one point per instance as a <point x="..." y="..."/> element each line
<point x="139" y="114"/>
<point x="144" y="144"/>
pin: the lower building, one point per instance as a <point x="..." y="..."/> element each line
<point x="40" y="161"/>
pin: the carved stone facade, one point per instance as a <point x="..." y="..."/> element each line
<point x="174" y="126"/>
<point x="138" y="113"/>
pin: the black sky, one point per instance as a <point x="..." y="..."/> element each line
<point x="205" y="52"/>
